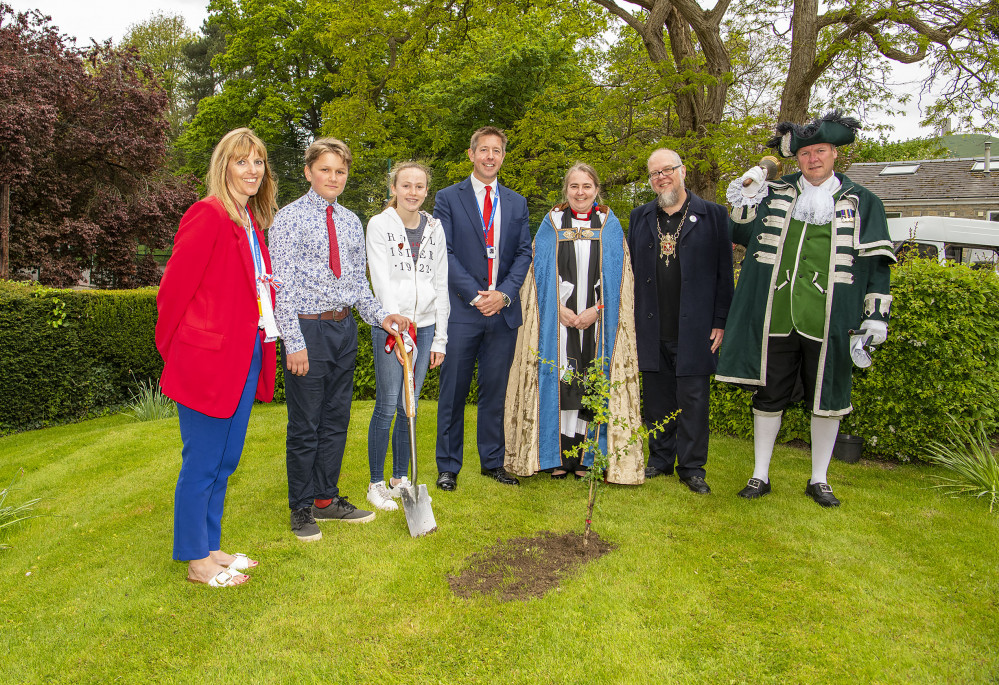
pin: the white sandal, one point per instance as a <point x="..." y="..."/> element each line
<point x="224" y="578"/>
<point x="242" y="563"/>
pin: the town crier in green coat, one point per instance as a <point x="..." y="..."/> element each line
<point x="813" y="292"/>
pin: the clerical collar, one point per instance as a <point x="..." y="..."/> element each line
<point x="582" y="216"/>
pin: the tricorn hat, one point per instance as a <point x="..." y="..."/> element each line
<point x="832" y="128"/>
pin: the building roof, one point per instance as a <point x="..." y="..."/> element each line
<point x="933" y="179"/>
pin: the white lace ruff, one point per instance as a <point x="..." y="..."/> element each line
<point x="815" y="204"/>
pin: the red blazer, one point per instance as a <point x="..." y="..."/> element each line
<point x="208" y="314"/>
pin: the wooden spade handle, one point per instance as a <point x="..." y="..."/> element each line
<point x="408" y="380"/>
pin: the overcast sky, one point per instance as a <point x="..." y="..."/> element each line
<point x="110" y="18"/>
<point x="84" y="21"/>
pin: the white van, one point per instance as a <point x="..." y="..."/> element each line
<point x="965" y="241"/>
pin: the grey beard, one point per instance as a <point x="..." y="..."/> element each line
<point x="669" y="198"/>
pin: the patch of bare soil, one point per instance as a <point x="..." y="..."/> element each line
<point x="522" y="568"/>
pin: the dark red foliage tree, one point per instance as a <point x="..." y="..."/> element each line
<point x="83" y="141"/>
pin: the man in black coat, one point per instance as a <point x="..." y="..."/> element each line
<point x="681" y="255"/>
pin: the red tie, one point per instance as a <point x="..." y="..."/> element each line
<point x="487" y="213"/>
<point x="334" y="248"/>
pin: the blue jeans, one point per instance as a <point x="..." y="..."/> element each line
<point x="390" y="399"/>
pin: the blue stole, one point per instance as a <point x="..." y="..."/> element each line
<point x="611" y="247"/>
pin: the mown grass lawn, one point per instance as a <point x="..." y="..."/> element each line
<point x="897" y="585"/>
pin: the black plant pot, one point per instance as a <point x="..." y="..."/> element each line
<point x="848" y="448"/>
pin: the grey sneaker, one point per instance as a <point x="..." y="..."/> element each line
<point x="303" y="525"/>
<point x="342" y="510"/>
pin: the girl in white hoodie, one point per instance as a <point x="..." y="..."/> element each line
<point x="407" y="257"/>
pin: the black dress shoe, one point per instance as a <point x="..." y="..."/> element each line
<point x="696" y="484"/>
<point x="755" y="489"/>
<point x="500" y="476"/>
<point x="821" y="493"/>
<point x="447" y="480"/>
<point x="560" y="476"/>
<point x="653" y="471"/>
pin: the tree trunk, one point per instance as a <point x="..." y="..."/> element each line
<point x="700" y="103"/>
<point x="5" y="232"/>
<point x="801" y="72"/>
<point x="589" y="511"/>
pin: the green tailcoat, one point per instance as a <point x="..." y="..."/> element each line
<point x="859" y="257"/>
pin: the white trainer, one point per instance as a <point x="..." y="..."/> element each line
<point x="380" y="497"/>
<point x="394" y="490"/>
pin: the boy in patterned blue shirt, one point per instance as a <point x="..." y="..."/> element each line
<point x="317" y="252"/>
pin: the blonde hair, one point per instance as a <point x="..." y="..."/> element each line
<point x="393" y="200"/>
<point x="589" y="171"/>
<point x="238" y="144"/>
<point x="323" y="145"/>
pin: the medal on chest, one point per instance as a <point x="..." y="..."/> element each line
<point x="668" y="241"/>
<point x="667" y="247"/>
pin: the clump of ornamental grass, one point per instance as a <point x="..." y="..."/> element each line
<point x="149" y="404"/>
<point x="967" y="453"/>
<point x="11" y="514"/>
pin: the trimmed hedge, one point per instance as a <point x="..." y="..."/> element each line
<point x="67" y="355"/>
<point x="941" y="357"/>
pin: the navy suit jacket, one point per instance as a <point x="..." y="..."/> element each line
<point x="467" y="264"/>
<point x="706" y="284"/>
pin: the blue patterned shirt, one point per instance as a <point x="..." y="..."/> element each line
<point x="300" y="256"/>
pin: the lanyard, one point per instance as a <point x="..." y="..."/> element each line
<point x="487" y="231"/>
<point x="258" y="257"/>
<point x="258" y="260"/>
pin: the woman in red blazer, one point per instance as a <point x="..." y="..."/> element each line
<point x="216" y="334"/>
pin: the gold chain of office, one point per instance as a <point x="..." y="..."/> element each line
<point x="667" y="242"/>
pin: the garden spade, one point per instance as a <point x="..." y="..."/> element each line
<point x="415" y="498"/>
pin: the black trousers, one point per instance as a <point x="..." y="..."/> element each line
<point x="683" y="444"/>
<point x="792" y="369"/>
<point x="319" y="410"/>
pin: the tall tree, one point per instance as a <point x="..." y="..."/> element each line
<point x="837" y="45"/>
<point x="161" y="40"/>
<point x="87" y="181"/>
<point x="37" y="70"/>
<point x="276" y="79"/>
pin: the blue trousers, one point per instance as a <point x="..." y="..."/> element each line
<point x="212" y="448"/>
<point x="390" y="400"/>
<point x="492" y="343"/>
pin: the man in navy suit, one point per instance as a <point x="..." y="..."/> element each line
<point x="681" y="255"/>
<point x="489" y="253"/>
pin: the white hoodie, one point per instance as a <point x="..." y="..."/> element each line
<point x="417" y="291"/>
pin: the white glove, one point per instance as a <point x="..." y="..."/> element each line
<point x="758" y="176"/>
<point x="751" y="195"/>
<point x="858" y="352"/>
<point x="878" y="330"/>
